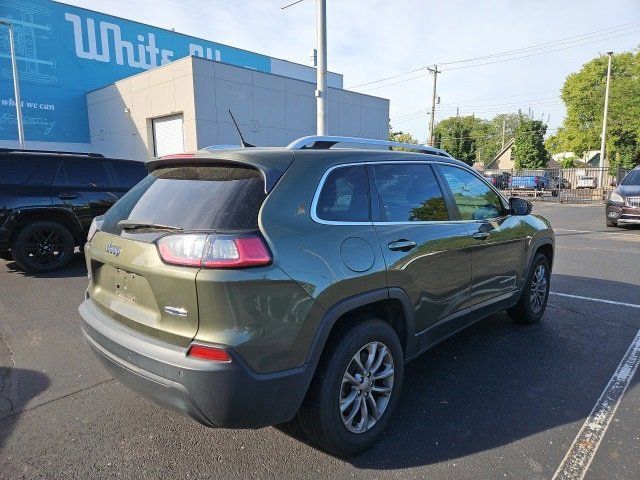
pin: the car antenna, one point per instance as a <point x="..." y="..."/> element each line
<point x="244" y="143"/>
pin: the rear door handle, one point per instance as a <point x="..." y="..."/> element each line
<point x="64" y="195"/>
<point x="481" y="235"/>
<point x="402" y="245"/>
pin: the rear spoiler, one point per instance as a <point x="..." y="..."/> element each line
<point x="270" y="166"/>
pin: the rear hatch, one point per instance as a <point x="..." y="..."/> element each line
<point x="129" y="280"/>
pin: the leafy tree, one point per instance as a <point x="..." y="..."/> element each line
<point x="473" y="139"/>
<point x="401" y="137"/>
<point x="529" y="150"/>
<point x="583" y="94"/>
<point x="458" y="136"/>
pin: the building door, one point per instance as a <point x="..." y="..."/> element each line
<point x="168" y="135"/>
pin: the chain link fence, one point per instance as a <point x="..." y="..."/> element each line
<point x="589" y="185"/>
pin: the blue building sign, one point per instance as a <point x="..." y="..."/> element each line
<point x="63" y="52"/>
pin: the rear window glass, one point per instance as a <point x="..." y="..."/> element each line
<point x="16" y="171"/>
<point x="193" y="198"/>
<point x="345" y="196"/>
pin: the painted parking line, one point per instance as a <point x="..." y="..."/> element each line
<point x="596" y="232"/>
<point x="591" y="299"/>
<point x="576" y="462"/>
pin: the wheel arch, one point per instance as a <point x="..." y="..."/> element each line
<point x="24" y="217"/>
<point x="391" y="305"/>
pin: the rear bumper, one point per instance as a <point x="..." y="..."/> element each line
<point x="212" y="393"/>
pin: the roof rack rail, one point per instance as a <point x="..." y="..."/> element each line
<point x="328" y="141"/>
<point x="17" y="150"/>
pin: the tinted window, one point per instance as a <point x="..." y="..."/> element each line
<point x="194" y="198"/>
<point x="474" y="198"/>
<point x="128" y="173"/>
<point x="345" y="195"/>
<point x="409" y="193"/>
<point x="16" y="170"/>
<point x="82" y="173"/>
<point x="633" y="178"/>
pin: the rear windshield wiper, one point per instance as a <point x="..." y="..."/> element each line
<point x="133" y="225"/>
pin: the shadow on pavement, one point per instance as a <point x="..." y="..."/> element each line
<point x="496" y="383"/>
<point x="17" y="387"/>
<point x="76" y="268"/>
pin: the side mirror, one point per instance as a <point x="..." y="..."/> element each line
<point x="520" y="206"/>
<point x="613" y="183"/>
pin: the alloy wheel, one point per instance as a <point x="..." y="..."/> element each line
<point x="366" y="387"/>
<point x="538" y="288"/>
<point x="45" y="247"/>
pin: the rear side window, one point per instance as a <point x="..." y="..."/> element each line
<point x="409" y="193"/>
<point x="128" y="173"/>
<point x="16" y="170"/>
<point x="82" y="173"/>
<point x="345" y="195"/>
<point x="193" y="198"/>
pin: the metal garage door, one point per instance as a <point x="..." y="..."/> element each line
<point x="168" y="135"/>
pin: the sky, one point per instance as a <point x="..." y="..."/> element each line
<point x="373" y="39"/>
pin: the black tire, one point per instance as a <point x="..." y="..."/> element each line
<point x="43" y="246"/>
<point x="611" y="224"/>
<point x="320" y="416"/>
<point x="529" y="310"/>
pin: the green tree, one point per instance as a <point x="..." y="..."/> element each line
<point x="529" y="150"/>
<point x="583" y="95"/>
<point x="402" y="137"/>
<point x="459" y="137"/>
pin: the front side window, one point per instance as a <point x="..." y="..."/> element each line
<point x="474" y="198"/>
<point x="345" y="195"/>
<point x="409" y="193"/>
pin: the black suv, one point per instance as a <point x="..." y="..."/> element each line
<point x="48" y="200"/>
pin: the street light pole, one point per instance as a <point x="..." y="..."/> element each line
<point x="321" y="69"/>
<point x="603" y="138"/>
<point x="320" y="64"/>
<point x="16" y="84"/>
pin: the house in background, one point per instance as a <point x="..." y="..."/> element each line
<point x="590" y="158"/>
<point x="503" y="159"/>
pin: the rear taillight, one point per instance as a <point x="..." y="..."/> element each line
<point x="214" y="250"/>
<point x="205" y="352"/>
<point x="96" y="224"/>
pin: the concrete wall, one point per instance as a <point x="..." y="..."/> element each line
<point x="271" y="109"/>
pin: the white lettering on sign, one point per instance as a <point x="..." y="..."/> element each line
<point x="143" y="55"/>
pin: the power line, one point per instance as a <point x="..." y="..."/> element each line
<point x="538" y="46"/>
<point x="606" y="33"/>
<point x="541" y="53"/>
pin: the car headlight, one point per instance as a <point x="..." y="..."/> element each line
<point x="96" y="224"/>
<point x="616" y="198"/>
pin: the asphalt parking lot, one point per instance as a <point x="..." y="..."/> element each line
<point x="498" y="400"/>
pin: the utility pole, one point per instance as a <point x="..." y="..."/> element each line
<point x="603" y="138"/>
<point x="435" y="72"/>
<point x="16" y="84"/>
<point x="321" y="70"/>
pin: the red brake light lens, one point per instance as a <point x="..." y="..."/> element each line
<point x="214" y="251"/>
<point x="205" y="352"/>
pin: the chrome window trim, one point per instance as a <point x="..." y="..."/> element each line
<point x="316" y="196"/>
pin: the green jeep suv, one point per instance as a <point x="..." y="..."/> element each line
<point x="245" y="287"/>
